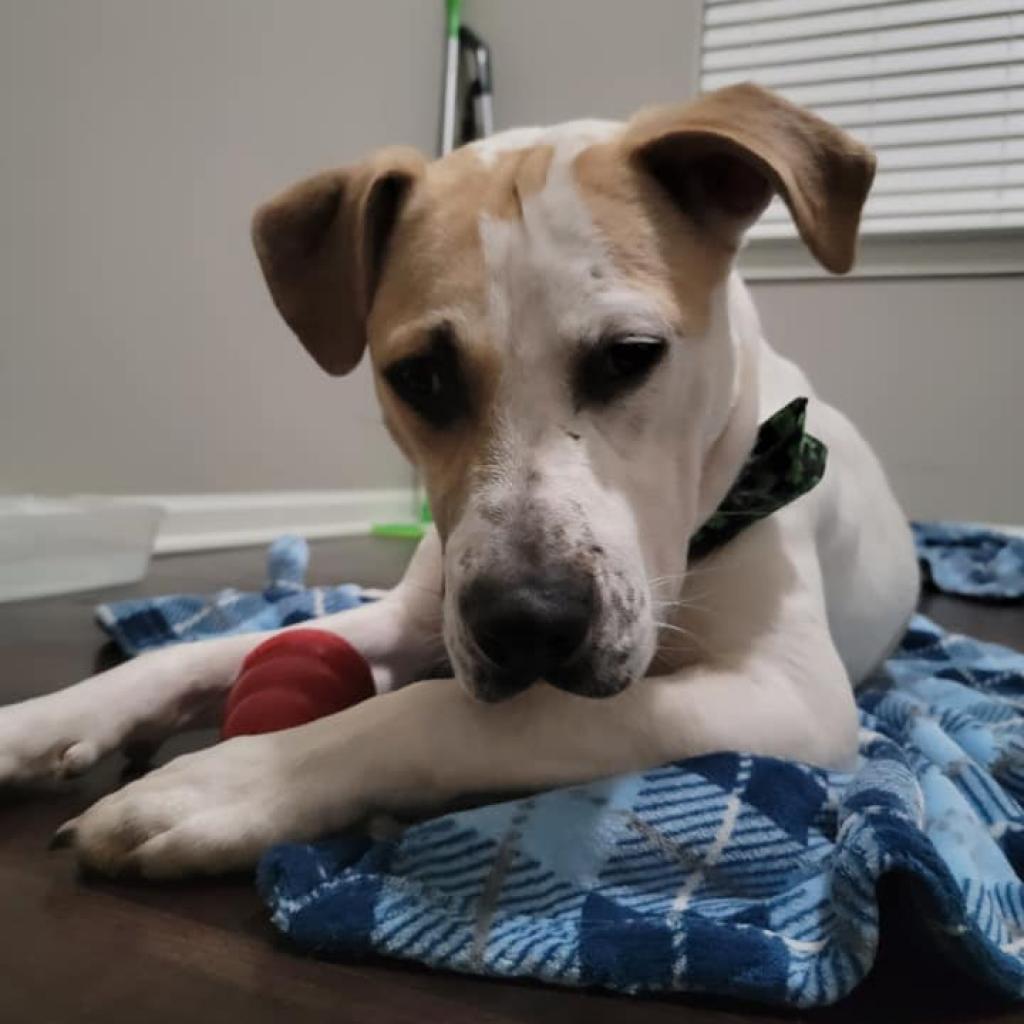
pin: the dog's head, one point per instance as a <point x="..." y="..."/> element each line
<point x="555" y="341"/>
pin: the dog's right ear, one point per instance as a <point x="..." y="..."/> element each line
<point x="322" y="246"/>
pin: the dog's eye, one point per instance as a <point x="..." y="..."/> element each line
<point x="618" y="365"/>
<point x="431" y="382"/>
<point x="626" y="359"/>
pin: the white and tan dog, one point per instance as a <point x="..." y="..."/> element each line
<point x="561" y="345"/>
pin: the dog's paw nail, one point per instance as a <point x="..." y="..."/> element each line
<point x="64" y="836"/>
<point x="78" y="758"/>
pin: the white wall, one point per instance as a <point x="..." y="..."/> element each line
<point x="139" y="351"/>
<point x="555" y="60"/>
<point x="930" y="370"/>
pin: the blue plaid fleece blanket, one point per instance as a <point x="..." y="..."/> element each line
<point x="146" y="623"/>
<point x="728" y="874"/>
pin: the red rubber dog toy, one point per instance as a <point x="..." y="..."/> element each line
<point x="293" y="678"/>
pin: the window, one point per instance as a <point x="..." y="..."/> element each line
<point x="936" y="87"/>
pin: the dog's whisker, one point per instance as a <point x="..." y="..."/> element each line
<point x="682" y="599"/>
<point x="668" y="609"/>
<point x="674" y="629"/>
<point x="686" y="577"/>
<point x="691" y="602"/>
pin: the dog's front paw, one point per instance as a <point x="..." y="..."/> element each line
<point x="50" y="738"/>
<point x="204" y="813"/>
<point x="132" y="707"/>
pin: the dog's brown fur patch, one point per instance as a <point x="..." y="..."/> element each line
<point x="440" y="229"/>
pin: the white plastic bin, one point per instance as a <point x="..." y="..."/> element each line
<point x="55" y="546"/>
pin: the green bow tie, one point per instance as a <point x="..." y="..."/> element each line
<point x="784" y="463"/>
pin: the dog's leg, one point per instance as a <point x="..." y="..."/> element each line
<point x="421" y="747"/>
<point x="147" y="699"/>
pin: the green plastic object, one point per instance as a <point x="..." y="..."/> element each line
<point x="454" y="17"/>
<point x="405" y="531"/>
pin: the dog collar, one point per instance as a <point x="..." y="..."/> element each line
<point x="784" y="463"/>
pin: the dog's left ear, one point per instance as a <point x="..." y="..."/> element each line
<point x="322" y="246"/>
<point x="723" y="156"/>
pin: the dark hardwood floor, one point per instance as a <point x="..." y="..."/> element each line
<point x="76" y="950"/>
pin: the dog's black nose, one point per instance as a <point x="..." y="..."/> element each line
<point x="528" y="627"/>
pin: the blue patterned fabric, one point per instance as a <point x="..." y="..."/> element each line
<point x="729" y="874"/>
<point x="145" y="623"/>
<point x="971" y="561"/>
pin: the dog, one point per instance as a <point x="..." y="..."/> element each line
<point x="562" y="346"/>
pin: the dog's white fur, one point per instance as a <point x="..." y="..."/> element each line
<point x="764" y="637"/>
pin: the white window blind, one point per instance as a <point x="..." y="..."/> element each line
<point x="935" y="87"/>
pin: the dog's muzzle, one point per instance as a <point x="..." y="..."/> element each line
<point x="528" y="628"/>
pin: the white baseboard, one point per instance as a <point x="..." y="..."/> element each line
<point x="200" y="522"/>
